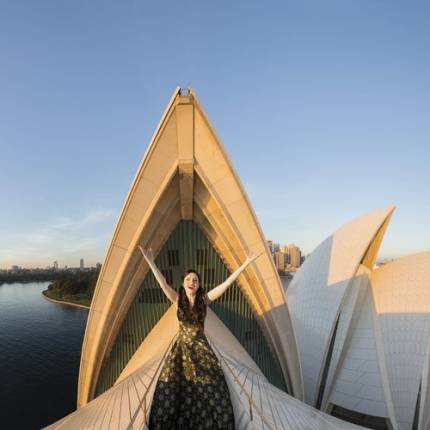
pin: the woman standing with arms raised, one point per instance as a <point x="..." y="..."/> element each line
<point x="191" y="392"/>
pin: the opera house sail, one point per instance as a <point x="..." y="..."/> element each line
<point x="363" y="332"/>
<point x="187" y="204"/>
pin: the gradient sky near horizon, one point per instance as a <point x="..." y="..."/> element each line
<point x="323" y="108"/>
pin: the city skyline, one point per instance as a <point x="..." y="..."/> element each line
<point x="324" y="121"/>
<point x="56" y="264"/>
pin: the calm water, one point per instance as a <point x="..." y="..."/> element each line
<point x="40" y="346"/>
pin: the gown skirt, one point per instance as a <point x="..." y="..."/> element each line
<point x="191" y="392"/>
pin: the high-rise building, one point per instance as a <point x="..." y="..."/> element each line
<point x="295" y="255"/>
<point x="55" y="265"/>
<point x="81" y="264"/>
<point x="279" y="260"/>
<point x="286" y="251"/>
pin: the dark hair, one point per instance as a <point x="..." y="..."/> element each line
<point x="199" y="309"/>
<point x="187" y="272"/>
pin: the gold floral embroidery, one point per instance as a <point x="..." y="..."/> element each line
<point x="191" y="392"/>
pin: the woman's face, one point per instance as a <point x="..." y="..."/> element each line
<point x="191" y="283"/>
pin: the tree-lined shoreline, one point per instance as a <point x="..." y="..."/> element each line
<point x="65" y="302"/>
<point x="69" y="287"/>
<point x="25" y="276"/>
<point x="73" y="288"/>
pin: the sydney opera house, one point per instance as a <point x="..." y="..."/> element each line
<point x="346" y="347"/>
<point x="363" y="332"/>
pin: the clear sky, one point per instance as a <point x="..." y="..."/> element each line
<point x="323" y="107"/>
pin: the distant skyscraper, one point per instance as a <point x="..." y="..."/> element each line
<point x="286" y="250"/>
<point x="81" y="264"/>
<point x="295" y="255"/>
<point x="279" y="260"/>
<point x="55" y="265"/>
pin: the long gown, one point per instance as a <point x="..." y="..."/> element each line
<point x="191" y="392"/>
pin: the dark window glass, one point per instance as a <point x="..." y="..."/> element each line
<point x="369" y="421"/>
<point x="173" y="257"/>
<point x="209" y="276"/>
<point x="327" y="366"/>
<point x="168" y="274"/>
<point x="128" y="338"/>
<point x="250" y="335"/>
<point x="152" y="295"/>
<point x="202" y="257"/>
<point x="417" y="410"/>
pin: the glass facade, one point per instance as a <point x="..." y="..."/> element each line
<point x="417" y="409"/>
<point x="327" y="366"/>
<point x="369" y="421"/>
<point x="188" y="248"/>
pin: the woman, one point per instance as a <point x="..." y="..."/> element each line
<point x="191" y="392"/>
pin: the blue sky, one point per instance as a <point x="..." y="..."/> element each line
<point x="323" y="108"/>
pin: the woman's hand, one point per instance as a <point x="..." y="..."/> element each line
<point x="147" y="253"/>
<point x="221" y="288"/>
<point x="252" y="256"/>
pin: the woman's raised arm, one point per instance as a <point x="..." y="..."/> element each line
<point x="221" y="288"/>
<point x="171" y="294"/>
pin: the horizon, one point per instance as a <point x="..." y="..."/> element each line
<point x="322" y="109"/>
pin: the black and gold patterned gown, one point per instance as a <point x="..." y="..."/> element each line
<point x="191" y="392"/>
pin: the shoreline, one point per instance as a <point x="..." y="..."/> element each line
<point x="22" y="282"/>
<point x="62" y="302"/>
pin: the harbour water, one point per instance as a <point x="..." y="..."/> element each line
<point x="40" y="347"/>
